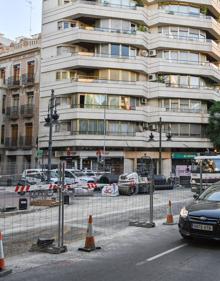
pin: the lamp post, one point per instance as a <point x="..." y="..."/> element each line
<point x="151" y="138"/>
<point x="50" y="120"/>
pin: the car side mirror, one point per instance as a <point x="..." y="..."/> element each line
<point x="195" y="196"/>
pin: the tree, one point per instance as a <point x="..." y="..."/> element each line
<point x="213" y="129"/>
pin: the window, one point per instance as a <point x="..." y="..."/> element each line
<point x="3" y="104"/>
<point x="30" y="98"/>
<point x="16" y="72"/>
<point x="184" y="81"/>
<point x="2" y="75"/>
<point x="15" y="101"/>
<point x="184" y="104"/>
<point x="115" y="50"/>
<point x="113" y="102"/>
<point x="194" y="82"/>
<point x="30" y="69"/>
<point x="83" y="126"/>
<point x="174" y="104"/>
<point x="2" y="134"/>
<point x="114" y="74"/>
<point x="14" y="133"/>
<point x="184" y="129"/>
<point x="124" y="51"/>
<point x="195" y="105"/>
<point x="195" y="130"/>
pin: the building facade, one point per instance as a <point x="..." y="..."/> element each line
<point x="117" y="67"/>
<point x="19" y="104"/>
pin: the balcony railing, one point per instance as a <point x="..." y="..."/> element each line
<point x="27" y="110"/>
<point x="12" y="112"/>
<point x="185" y="110"/>
<point x="27" y="79"/>
<point x="108" y="133"/>
<point x="13" y="82"/>
<point x="105" y="3"/>
<point x="102" y="107"/>
<point x="11" y="143"/>
<point x="26" y="142"/>
<point x="188" y="38"/>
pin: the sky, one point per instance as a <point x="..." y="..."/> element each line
<point x="15" y="18"/>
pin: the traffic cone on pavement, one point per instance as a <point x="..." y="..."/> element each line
<point x="90" y="240"/>
<point x="169" y="220"/>
<point x="3" y="270"/>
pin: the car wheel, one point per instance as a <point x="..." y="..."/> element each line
<point x="186" y="237"/>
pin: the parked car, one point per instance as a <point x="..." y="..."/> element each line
<point x="32" y="176"/>
<point x="84" y="178"/>
<point x="70" y="177"/>
<point x="201" y="218"/>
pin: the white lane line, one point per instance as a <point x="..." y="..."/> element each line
<point x="161" y="254"/>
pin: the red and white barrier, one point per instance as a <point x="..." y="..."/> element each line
<point x="22" y="188"/>
<point x="91" y="185"/>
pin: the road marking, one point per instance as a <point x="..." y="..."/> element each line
<point x="161" y="254"/>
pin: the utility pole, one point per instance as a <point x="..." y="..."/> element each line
<point x="51" y="119"/>
<point x="160" y="146"/>
<point x="105" y="105"/>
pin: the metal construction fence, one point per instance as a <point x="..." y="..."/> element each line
<point x="30" y="212"/>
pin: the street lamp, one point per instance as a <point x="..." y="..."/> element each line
<point x="50" y="120"/>
<point x="169" y="138"/>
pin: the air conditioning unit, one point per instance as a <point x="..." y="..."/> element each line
<point x="152" y="53"/>
<point x="144" y="53"/>
<point x="152" y="77"/>
<point x="143" y="101"/>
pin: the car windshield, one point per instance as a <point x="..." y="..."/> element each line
<point x="54" y="174"/>
<point x="211" y="194"/>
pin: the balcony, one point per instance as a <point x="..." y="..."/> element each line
<point x="27" y="111"/>
<point x="12" y="112"/>
<point x="93" y="60"/>
<point x="28" y="80"/>
<point x="26" y="142"/>
<point x="11" y="143"/>
<point x="13" y="83"/>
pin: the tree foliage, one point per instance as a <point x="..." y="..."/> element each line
<point x="213" y="129"/>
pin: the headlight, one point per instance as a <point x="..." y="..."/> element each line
<point x="184" y="213"/>
<point x="193" y="181"/>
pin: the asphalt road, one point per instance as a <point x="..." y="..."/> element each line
<point x="135" y="254"/>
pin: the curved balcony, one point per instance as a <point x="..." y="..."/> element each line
<point x="212" y="5"/>
<point x="92" y="84"/>
<point x="161" y="41"/>
<point x="168" y="90"/>
<point x="177" y="114"/>
<point x="92" y="60"/>
<point x="95" y="9"/>
<point x="94" y="35"/>
<point x="163" y="17"/>
<point x="141" y="139"/>
<point x="205" y="69"/>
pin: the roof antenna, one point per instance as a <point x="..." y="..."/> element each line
<point x="30" y="4"/>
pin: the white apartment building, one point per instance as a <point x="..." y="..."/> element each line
<point x="117" y="67"/>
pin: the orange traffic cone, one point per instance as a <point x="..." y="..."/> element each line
<point x="90" y="241"/>
<point x="3" y="270"/>
<point x="170" y="220"/>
